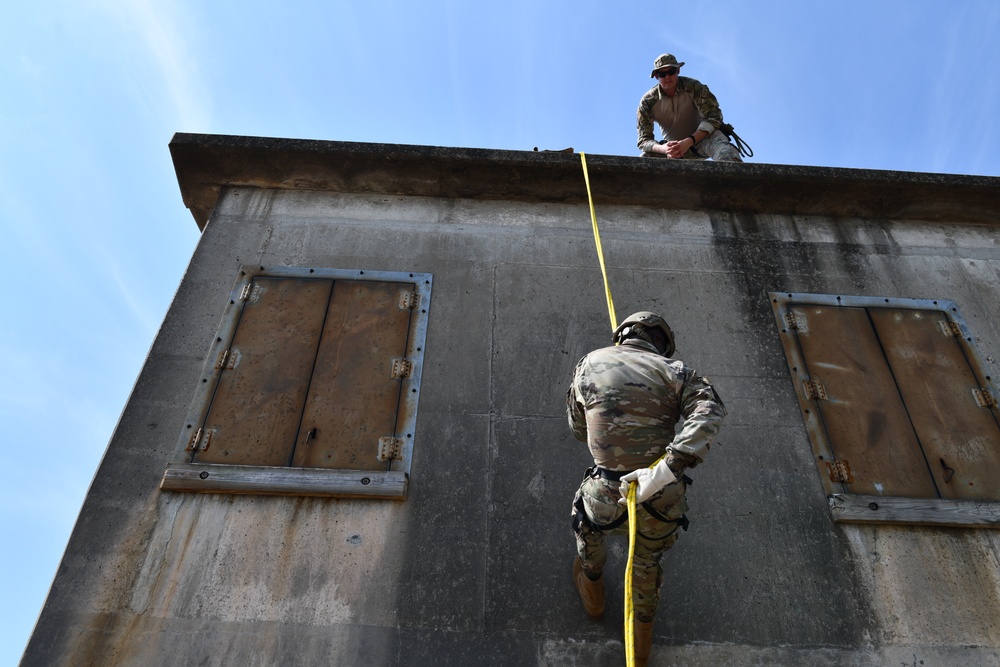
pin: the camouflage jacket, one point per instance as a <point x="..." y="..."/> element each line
<point x="693" y="107"/>
<point x="625" y="401"/>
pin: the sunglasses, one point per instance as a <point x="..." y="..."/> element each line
<point x="670" y="71"/>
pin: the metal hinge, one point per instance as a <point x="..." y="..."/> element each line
<point x="814" y="390"/>
<point x="193" y="441"/>
<point x="949" y="328"/>
<point x="227" y="360"/>
<point x="792" y="321"/>
<point x="201" y="439"/>
<point x="840" y="471"/>
<point x="408" y="300"/>
<point x="984" y="398"/>
<point x="389" y="448"/>
<point x="401" y="368"/>
<point x="206" y="439"/>
<point x="250" y="292"/>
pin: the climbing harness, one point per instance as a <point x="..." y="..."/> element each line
<point x="580" y="515"/>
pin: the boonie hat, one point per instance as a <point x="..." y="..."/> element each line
<point x="666" y="60"/>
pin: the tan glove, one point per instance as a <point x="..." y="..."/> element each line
<point x="649" y="480"/>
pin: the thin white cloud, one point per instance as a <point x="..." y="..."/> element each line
<point x="453" y="22"/>
<point x="963" y="72"/>
<point x="138" y="305"/>
<point x="160" y="28"/>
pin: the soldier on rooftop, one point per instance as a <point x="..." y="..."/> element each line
<point x="687" y="113"/>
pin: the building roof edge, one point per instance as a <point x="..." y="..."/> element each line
<point x="205" y="163"/>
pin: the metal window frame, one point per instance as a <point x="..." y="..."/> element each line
<point x="849" y="507"/>
<point x="265" y="480"/>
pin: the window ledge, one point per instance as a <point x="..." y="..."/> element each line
<point x="210" y="478"/>
<point x="852" y="508"/>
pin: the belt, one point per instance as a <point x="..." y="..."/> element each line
<point x="616" y="475"/>
<point x="612" y="475"/>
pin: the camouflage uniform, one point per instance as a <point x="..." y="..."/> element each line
<point x="692" y="107"/>
<point x="624" y="403"/>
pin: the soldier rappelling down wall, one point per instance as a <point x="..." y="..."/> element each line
<point x="624" y="402"/>
<point x="689" y="116"/>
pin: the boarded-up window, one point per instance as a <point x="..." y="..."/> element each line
<point x="902" y="418"/>
<point x="311" y="387"/>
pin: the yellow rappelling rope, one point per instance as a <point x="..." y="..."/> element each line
<point x="597" y="242"/>
<point x="630" y="498"/>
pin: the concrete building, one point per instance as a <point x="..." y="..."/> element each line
<point x="442" y="536"/>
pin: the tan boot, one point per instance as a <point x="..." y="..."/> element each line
<point x="591" y="592"/>
<point x="643" y="642"/>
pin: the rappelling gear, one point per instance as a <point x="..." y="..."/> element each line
<point x="742" y="146"/>
<point x="649" y="481"/>
<point x="581" y="518"/>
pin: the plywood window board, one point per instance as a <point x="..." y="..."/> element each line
<point x="900" y="411"/>
<point x="310" y="387"/>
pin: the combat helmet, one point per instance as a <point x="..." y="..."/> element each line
<point x="647" y="319"/>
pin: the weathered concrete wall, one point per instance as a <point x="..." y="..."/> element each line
<point x="473" y="567"/>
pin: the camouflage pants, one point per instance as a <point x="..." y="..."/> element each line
<point x="715" y="146"/>
<point x="653" y="536"/>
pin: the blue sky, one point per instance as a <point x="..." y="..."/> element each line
<point x="95" y="238"/>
